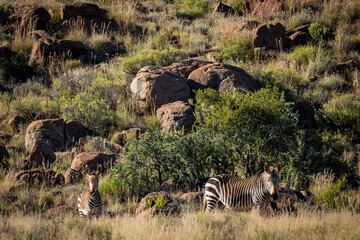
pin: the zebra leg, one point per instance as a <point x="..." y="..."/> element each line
<point x="211" y="201"/>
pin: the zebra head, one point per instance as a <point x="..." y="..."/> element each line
<point x="271" y="180"/>
<point x="94" y="178"/>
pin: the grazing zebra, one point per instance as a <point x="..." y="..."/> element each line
<point x="242" y="194"/>
<point x="89" y="201"/>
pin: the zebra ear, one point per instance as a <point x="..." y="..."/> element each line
<point x="99" y="169"/>
<point x="266" y="167"/>
<point x="279" y="167"/>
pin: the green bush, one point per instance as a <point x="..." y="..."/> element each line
<point x="159" y="58"/>
<point x="158" y="203"/>
<point x="331" y="82"/>
<point x="343" y="112"/>
<point x="318" y="31"/>
<point x="27" y="107"/>
<point x="192" y="9"/>
<point x="353" y="11"/>
<point x="237" y="49"/>
<point x="301" y="55"/>
<point x="238" y="6"/>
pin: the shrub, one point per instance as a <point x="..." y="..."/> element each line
<point x="353" y="10"/>
<point x="302" y="54"/>
<point x="318" y="31"/>
<point x="237" y="49"/>
<point x="238" y="6"/>
<point x="27" y="107"/>
<point x="331" y="82"/>
<point x="158" y="203"/>
<point x="192" y="8"/>
<point x="343" y="112"/>
<point x="159" y="58"/>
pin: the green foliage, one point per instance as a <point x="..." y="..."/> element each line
<point x="27" y="107"/>
<point x="260" y="126"/>
<point x="302" y="54"/>
<point x="112" y="187"/>
<point x="238" y="6"/>
<point x="92" y="111"/>
<point x="192" y="9"/>
<point x="343" y="112"/>
<point x="159" y="58"/>
<point x="318" y="31"/>
<point x="237" y="49"/>
<point x="158" y="203"/>
<point x="331" y="82"/>
<point x="353" y="10"/>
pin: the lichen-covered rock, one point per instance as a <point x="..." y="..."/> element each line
<point x="92" y="160"/>
<point x="184" y="68"/>
<point x="225" y="9"/>
<point x="39" y="176"/>
<point x="73" y="132"/>
<point x="153" y="87"/>
<point x="175" y="116"/>
<point x="80" y="9"/>
<point x="221" y="77"/>
<point x="152" y="197"/>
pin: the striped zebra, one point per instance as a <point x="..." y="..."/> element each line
<point x="89" y="201"/>
<point x="243" y="194"/>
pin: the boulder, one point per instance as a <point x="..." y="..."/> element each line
<point x="175" y="116"/>
<point x="82" y="9"/>
<point x="27" y="15"/>
<point x="91" y="24"/>
<point x="38" y="176"/>
<point x="222" y="8"/>
<point x="167" y="186"/>
<point x="267" y="9"/>
<point x="153" y="87"/>
<point x="50" y="49"/>
<point x="286" y="202"/>
<point x="221" y="77"/>
<point x="50" y="132"/>
<point x="92" y="160"/>
<point x="184" y="68"/>
<point x="72" y="176"/>
<point x="111" y="48"/>
<point x="6" y="52"/>
<point x="152" y="197"/>
<point x="73" y="132"/>
<point x="126" y="135"/>
<point x="4" y="156"/>
<point x="299" y="38"/>
<point x="271" y="37"/>
<point x="246" y="24"/>
<point x="193" y="196"/>
<point x="40" y="155"/>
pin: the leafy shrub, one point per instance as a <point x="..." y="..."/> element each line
<point x="27" y="107"/>
<point x="192" y="8"/>
<point x="302" y="54"/>
<point x="343" y="112"/>
<point x="238" y="6"/>
<point x="158" y="203"/>
<point x="331" y="82"/>
<point x="237" y="49"/>
<point x="91" y="111"/>
<point x="318" y="31"/>
<point x="353" y="10"/>
<point x="159" y="58"/>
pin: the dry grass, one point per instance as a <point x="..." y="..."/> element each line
<point x="217" y="225"/>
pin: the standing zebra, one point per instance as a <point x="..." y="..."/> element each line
<point x="89" y="201"/>
<point x="242" y="194"/>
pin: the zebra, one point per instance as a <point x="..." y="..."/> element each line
<point x="89" y="201"/>
<point x="243" y="194"/>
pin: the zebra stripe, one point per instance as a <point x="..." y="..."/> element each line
<point x="90" y="203"/>
<point x="242" y="194"/>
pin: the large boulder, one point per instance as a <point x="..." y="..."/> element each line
<point x="4" y="156"/>
<point x="223" y="8"/>
<point x="92" y="160"/>
<point x="40" y="155"/>
<point x="38" y="176"/>
<point x="50" y="49"/>
<point x="286" y="202"/>
<point x="127" y="135"/>
<point x="153" y="87"/>
<point x="267" y="9"/>
<point x="151" y="197"/>
<point x="246" y="24"/>
<point x="175" y="116"/>
<point x="221" y="77"/>
<point x="30" y="15"/>
<point x="184" y="68"/>
<point x="73" y="132"/>
<point x="192" y="196"/>
<point x="271" y="37"/>
<point x="82" y="9"/>
<point x="49" y="132"/>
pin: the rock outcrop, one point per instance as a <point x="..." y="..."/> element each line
<point x="271" y="37"/>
